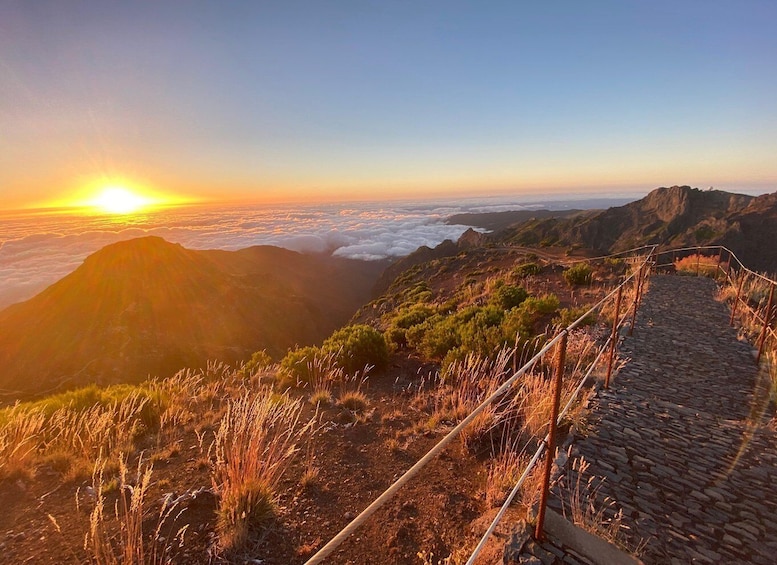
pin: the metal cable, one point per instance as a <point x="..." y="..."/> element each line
<point x="336" y="541"/>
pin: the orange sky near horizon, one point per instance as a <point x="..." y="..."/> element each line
<point x="265" y="102"/>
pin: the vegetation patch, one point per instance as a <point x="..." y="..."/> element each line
<point x="579" y="274"/>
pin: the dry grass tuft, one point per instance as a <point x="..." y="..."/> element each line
<point x="353" y="400"/>
<point x="461" y="388"/>
<point x="703" y="265"/>
<point x="255" y="444"/>
<point x="503" y="473"/>
<point x="126" y="543"/>
<point x="582" y="505"/>
<point x="19" y="441"/>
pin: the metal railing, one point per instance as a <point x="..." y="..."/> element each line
<point x="734" y="274"/>
<point x="643" y="257"/>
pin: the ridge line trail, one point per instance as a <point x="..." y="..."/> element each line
<point x="681" y="438"/>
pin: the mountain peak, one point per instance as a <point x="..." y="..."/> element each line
<point x="148" y="306"/>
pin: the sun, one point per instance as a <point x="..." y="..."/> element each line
<point x="119" y="200"/>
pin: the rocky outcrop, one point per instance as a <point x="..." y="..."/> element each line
<point x="675" y="216"/>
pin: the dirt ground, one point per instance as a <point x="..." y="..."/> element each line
<point x="441" y="513"/>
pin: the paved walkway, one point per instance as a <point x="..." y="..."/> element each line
<point x="693" y="471"/>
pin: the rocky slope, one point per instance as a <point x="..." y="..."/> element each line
<point x="671" y="217"/>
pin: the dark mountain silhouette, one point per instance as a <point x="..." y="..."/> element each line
<point x="752" y="232"/>
<point x="146" y="306"/>
<point x="670" y="217"/>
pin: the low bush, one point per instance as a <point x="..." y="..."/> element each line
<point x="508" y="296"/>
<point x="578" y="275"/>
<point x="356" y="347"/>
<point x="297" y="365"/>
<point x="259" y="360"/>
<point x="527" y="269"/>
<point x="524" y="319"/>
<point x="254" y="446"/>
<point x="568" y="315"/>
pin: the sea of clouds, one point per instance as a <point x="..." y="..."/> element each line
<point x="38" y="249"/>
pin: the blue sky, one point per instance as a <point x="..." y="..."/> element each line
<point x="327" y="100"/>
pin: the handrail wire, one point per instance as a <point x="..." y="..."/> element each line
<point x="541" y="448"/>
<point x="537" y="454"/>
<point x="573" y="397"/>
<point x="335" y="542"/>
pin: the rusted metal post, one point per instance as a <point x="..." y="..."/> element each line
<point x="728" y="267"/>
<point x="720" y="258"/>
<point x="742" y="275"/>
<point x="561" y="351"/>
<point x="767" y="322"/>
<point x="698" y="259"/>
<point x="613" y="336"/>
<point x="636" y="301"/>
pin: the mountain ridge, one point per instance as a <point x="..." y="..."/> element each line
<point x="147" y="306"/>
<point x="669" y="217"/>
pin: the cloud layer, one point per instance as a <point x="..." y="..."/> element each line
<point x="37" y="250"/>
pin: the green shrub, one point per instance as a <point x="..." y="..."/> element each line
<point x="521" y="320"/>
<point x="480" y="339"/>
<point x="408" y="317"/>
<point x="356" y="346"/>
<point x="435" y="337"/>
<point x="704" y="233"/>
<point x="527" y="269"/>
<point x="259" y="360"/>
<point x="579" y="274"/>
<point x="81" y="399"/>
<point x="298" y="363"/>
<point x="419" y="292"/>
<point x="508" y="296"/>
<point x="545" y="304"/>
<point x="405" y="318"/>
<point x="568" y="315"/>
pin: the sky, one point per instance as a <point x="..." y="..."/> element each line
<point x="321" y="101"/>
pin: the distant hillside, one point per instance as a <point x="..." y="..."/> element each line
<point x="496" y="221"/>
<point x="146" y="306"/>
<point x="752" y="232"/>
<point x="675" y="216"/>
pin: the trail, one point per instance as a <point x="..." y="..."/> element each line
<point x="681" y="439"/>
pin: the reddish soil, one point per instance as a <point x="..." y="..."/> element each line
<point x="355" y="461"/>
<point x="443" y="509"/>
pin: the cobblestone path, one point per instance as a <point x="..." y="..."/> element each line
<point x="675" y="437"/>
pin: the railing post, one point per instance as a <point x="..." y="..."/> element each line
<point x="728" y="267"/>
<point x="698" y="259"/>
<point x="718" y="269"/>
<point x="767" y="322"/>
<point x="613" y="336"/>
<point x="742" y="275"/>
<point x="636" y="300"/>
<point x="550" y="453"/>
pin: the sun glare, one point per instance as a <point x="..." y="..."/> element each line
<point x="119" y="200"/>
